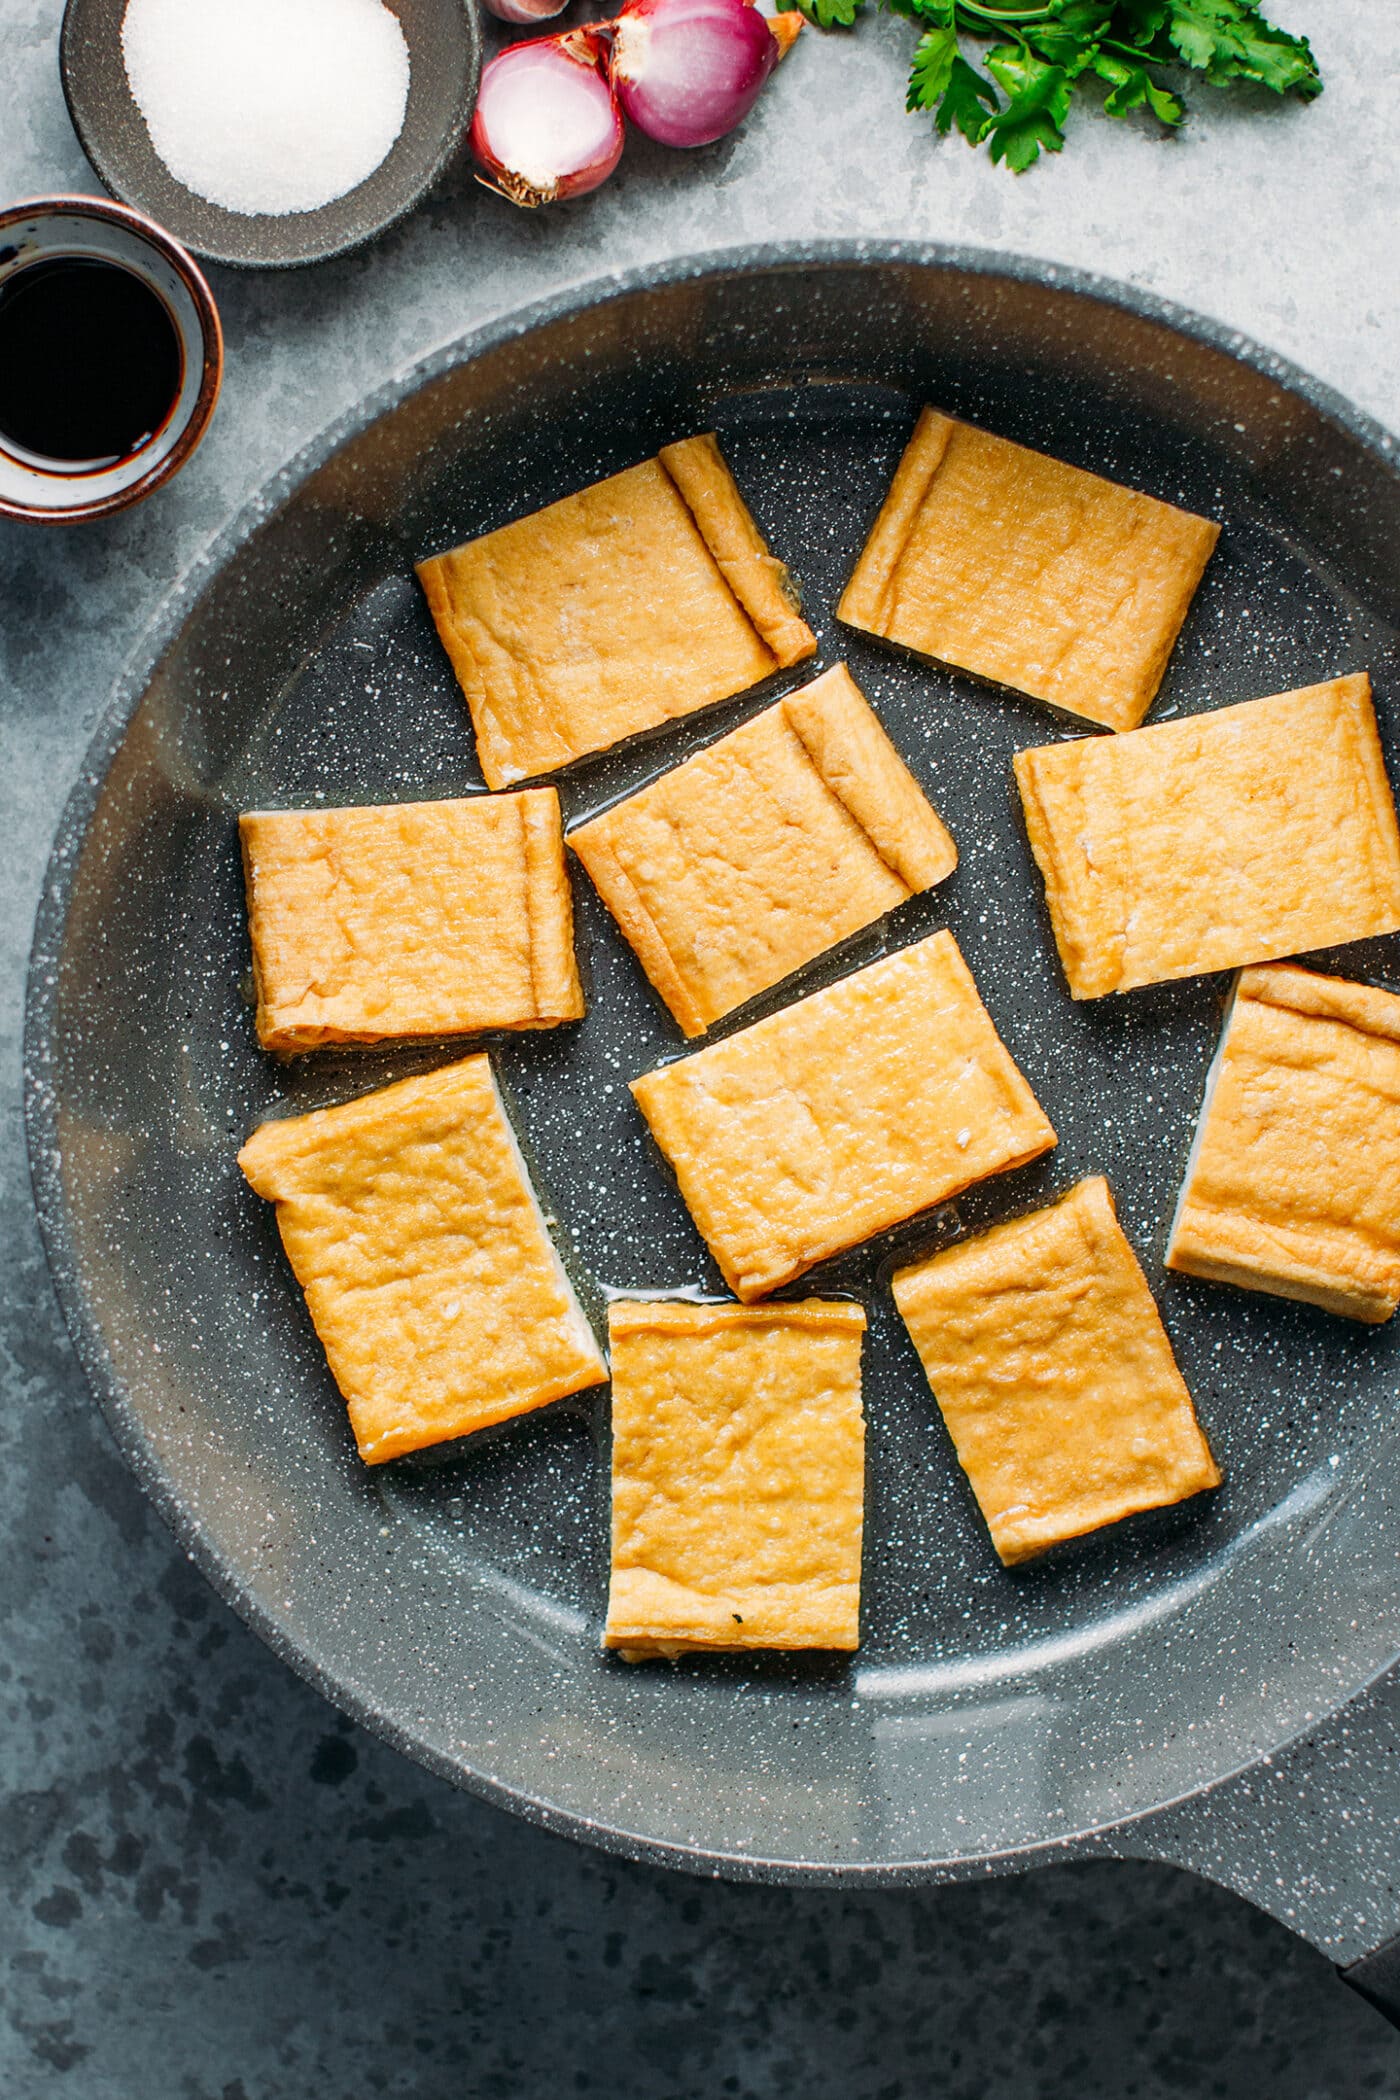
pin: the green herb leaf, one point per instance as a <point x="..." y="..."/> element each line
<point x="1039" y="98"/>
<point x="1231" y="40"/>
<point x="1068" y="39"/>
<point x="1137" y="22"/>
<point x="968" y="103"/>
<point x="1060" y="46"/>
<point x="824" y="14"/>
<point x="935" y="55"/>
<point x="1131" y="86"/>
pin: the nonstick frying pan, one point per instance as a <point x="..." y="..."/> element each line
<point x="990" y="1719"/>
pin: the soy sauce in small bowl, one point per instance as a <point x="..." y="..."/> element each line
<point x="110" y="358"/>
<point x="90" y="364"/>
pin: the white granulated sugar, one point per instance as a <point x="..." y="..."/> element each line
<point x="268" y="105"/>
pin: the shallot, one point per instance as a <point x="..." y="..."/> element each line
<point x="547" y="124"/>
<point x="687" y="71"/>
<point x="526" y="11"/>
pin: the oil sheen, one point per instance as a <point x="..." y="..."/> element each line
<point x="90" y="364"/>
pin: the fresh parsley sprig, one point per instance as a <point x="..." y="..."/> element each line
<point x="1018" y="101"/>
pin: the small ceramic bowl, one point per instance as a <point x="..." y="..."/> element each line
<point x="444" y="55"/>
<point x="45" y="228"/>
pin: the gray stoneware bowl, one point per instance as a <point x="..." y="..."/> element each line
<point x="455" y="1607"/>
<point x="444" y="49"/>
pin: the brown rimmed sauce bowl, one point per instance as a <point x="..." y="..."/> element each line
<point x="48" y="229"/>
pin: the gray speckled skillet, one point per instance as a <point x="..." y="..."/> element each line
<point x="455" y="1607"/>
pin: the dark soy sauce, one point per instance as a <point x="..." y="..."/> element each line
<point x="90" y="363"/>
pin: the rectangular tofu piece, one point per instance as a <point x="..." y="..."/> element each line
<point x="1293" y="1186"/>
<point x="1049" y="1361"/>
<point x="738" y="1477"/>
<point x="844" y="1114"/>
<point x="738" y="866"/>
<point x="1227" y="838"/>
<point x="411" y="1226"/>
<point x="641" y="598"/>
<point x="1018" y="568"/>
<point x="415" y="919"/>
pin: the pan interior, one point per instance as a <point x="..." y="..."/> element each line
<point x="456" y="1604"/>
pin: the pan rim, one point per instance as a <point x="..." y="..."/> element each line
<point x="128" y="691"/>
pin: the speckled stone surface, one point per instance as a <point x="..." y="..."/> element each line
<point x="216" y="1890"/>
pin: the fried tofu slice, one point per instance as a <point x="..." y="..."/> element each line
<point x="1228" y="838"/>
<point x="415" y="919"/>
<point x="409" y="1221"/>
<point x="738" y="1476"/>
<point x="1049" y="1361"/>
<point x="740" y="865"/>
<point x="1020" y="569"/>
<point x="844" y="1114"/>
<point x="644" y="597"/>
<point x="1293" y="1185"/>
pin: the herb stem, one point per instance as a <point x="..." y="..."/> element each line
<point x="1008" y="17"/>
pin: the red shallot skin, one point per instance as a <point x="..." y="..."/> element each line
<point x="525" y="11"/>
<point x="547" y="124"/>
<point x="687" y="71"/>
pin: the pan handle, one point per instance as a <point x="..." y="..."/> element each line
<point x="1311" y="1835"/>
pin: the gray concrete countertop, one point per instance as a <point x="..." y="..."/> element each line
<point x="216" y="1888"/>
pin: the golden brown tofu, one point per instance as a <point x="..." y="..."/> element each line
<point x="1018" y="568"/>
<point x="1293" y="1186"/>
<point x="1054" y="1374"/>
<point x="738" y="1477"/>
<point x="842" y="1115"/>
<point x="1233" y="837"/>
<point x="642" y="598"/>
<point x="411" y="1226"/>
<point x="417" y="919"/>
<point x="740" y="865"/>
